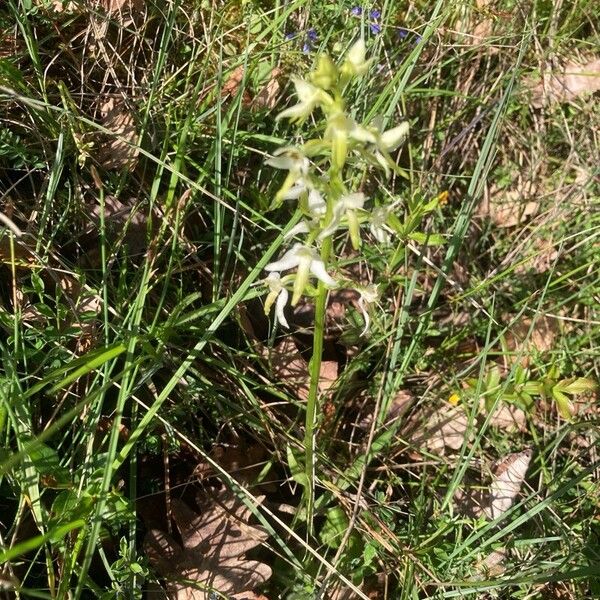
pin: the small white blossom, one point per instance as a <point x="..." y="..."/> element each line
<point x="346" y="206"/>
<point x="291" y="159"/>
<point x="317" y="206"/>
<point x="306" y="260"/>
<point x="310" y="96"/>
<point x="392" y="138"/>
<point x="368" y="295"/>
<point x="356" y="63"/>
<point x="279" y="295"/>
<point x="377" y="224"/>
<point x="302" y="227"/>
<point x="387" y="142"/>
<point x="294" y="161"/>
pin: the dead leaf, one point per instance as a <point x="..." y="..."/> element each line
<point x="506" y="484"/>
<point x="268" y="96"/>
<point x="493" y="564"/>
<point x="566" y="84"/>
<point x="289" y="366"/>
<point x="541" y="260"/>
<point x="113" y="6"/>
<point x="120" y="150"/>
<point x="125" y="223"/>
<point x="520" y="341"/>
<point x="510" y="207"/>
<point x="444" y="428"/>
<point x="508" y="417"/>
<point x="232" y="86"/>
<point x="243" y="462"/>
<point x="211" y="554"/>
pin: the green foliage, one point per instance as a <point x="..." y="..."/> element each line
<point x="105" y="405"/>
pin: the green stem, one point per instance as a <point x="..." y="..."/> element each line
<point x="313" y="393"/>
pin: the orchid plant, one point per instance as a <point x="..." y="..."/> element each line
<point x="320" y="176"/>
<point x="319" y="179"/>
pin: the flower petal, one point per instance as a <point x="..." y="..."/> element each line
<point x="392" y="138"/>
<point x="282" y="300"/>
<point x="353" y="201"/>
<point x="316" y="203"/>
<point x="301" y="227"/>
<point x="317" y="268"/>
<point x="288" y="261"/>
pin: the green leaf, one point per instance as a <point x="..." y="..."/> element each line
<point x="577" y="386"/>
<point x="431" y="239"/>
<point x="565" y="408"/>
<point x="296" y="465"/>
<point x="47" y="463"/>
<point x="336" y="524"/>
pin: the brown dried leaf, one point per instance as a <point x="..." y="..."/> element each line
<point x="120" y="151"/>
<point x="506" y="484"/>
<point x="211" y="557"/>
<point x="541" y="339"/>
<point x="445" y="428"/>
<point x="113" y="6"/>
<point x="232" y="86"/>
<point x="269" y="94"/>
<point x="540" y="261"/>
<point x="508" y="208"/>
<point x="508" y="417"/>
<point x="244" y="463"/>
<point x="493" y="564"/>
<point x="571" y="82"/>
<point x="289" y="366"/>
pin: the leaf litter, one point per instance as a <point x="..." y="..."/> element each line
<point x="119" y="150"/>
<point x="211" y="554"/>
<point x="564" y="84"/>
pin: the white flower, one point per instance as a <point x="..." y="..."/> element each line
<point x="392" y="138"/>
<point x="314" y="203"/>
<point x="368" y="295"/>
<point x="289" y="158"/>
<point x="317" y="206"/>
<point x="310" y="96"/>
<point x="387" y="142"/>
<point x="279" y="295"/>
<point x="297" y="164"/>
<point x="377" y="224"/>
<point x="346" y="206"/>
<point x="382" y="142"/>
<point x="356" y="63"/>
<point x="302" y="227"/>
<point x="307" y="262"/>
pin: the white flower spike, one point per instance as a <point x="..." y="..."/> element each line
<point x="378" y="224"/>
<point x="307" y="262"/>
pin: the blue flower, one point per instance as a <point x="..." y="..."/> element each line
<point x="402" y="33"/>
<point x="308" y="39"/>
<point x="356" y="11"/>
<point x="375" y="28"/>
<point x="375" y="14"/>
